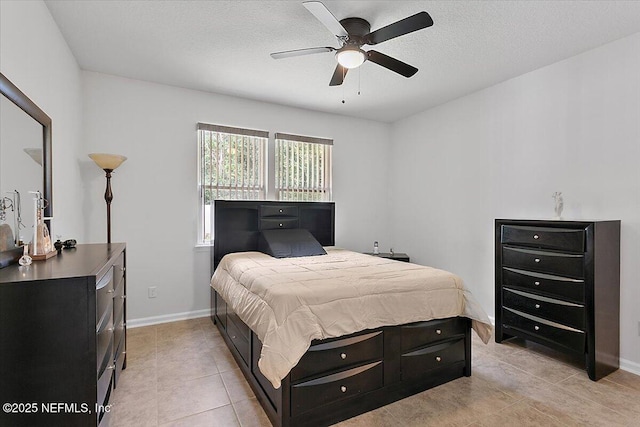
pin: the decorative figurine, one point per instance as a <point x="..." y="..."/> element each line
<point x="557" y="196"/>
<point x="25" y="259"/>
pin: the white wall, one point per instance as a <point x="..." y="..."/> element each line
<point x="573" y="127"/>
<point x="35" y="57"/>
<point x="155" y="199"/>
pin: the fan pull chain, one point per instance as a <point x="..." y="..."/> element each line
<point x="343" y="76"/>
<point x="359" y="68"/>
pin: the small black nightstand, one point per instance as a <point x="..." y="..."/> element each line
<point x="397" y="256"/>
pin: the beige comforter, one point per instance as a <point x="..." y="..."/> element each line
<point x="290" y="302"/>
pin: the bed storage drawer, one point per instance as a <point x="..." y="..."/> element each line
<point x="423" y="333"/>
<point x="546" y="284"/>
<point x="571" y="265"/>
<point x="562" y="239"/>
<point x="240" y="341"/>
<point x="565" y="336"/>
<point x="331" y="388"/>
<point x="416" y="364"/>
<point x="567" y="313"/>
<point x="267" y="210"/>
<point x="338" y="354"/>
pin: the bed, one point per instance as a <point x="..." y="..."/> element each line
<point x="324" y="338"/>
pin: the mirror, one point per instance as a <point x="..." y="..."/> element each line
<point x="25" y="157"/>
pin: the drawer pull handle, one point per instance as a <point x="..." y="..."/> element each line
<point x="233" y="337"/>
<point x="438" y="331"/>
<point x="537" y="328"/>
<point x="537" y="260"/>
<point x="536" y="237"/>
<point x="110" y="367"/>
<point x="280" y="210"/>
<point x="280" y="224"/>
<point x="536" y="283"/>
<point x="537" y="305"/>
<point x="438" y="358"/>
<point x="110" y="291"/>
<point x="123" y="297"/>
<point x="343" y="356"/>
<point x="110" y="329"/>
<point x="343" y="389"/>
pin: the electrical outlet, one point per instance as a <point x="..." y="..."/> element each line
<point x="153" y="292"/>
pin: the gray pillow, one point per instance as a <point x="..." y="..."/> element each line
<point x="288" y="243"/>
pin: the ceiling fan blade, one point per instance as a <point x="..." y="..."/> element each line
<point x="404" y="26"/>
<point x="391" y="63"/>
<point x="300" y="52"/>
<point x="323" y="15"/>
<point x="338" y="75"/>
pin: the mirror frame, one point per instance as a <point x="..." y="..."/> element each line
<point x="16" y="96"/>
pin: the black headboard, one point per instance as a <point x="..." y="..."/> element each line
<point x="238" y="223"/>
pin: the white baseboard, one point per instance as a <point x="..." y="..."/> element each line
<point x="166" y="318"/>
<point x="629" y="366"/>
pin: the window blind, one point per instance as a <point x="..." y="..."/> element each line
<point x="231" y="167"/>
<point x="302" y="168"/>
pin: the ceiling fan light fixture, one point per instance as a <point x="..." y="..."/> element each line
<point x="351" y="57"/>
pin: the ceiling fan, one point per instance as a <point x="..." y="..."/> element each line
<point x="352" y="34"/>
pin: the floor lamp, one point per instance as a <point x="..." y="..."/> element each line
<point x="109" y="163"/>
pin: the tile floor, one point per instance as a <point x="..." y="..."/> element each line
<point x="182" y="374"/>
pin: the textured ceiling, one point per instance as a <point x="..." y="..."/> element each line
<point x="224" y="46"/>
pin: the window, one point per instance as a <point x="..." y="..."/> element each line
<point x="231" y="166"/>
<point x="242" y="164"/>
<point x="302" y="168"/>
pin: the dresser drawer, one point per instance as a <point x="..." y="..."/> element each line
<point x="104" y="341"/>
<point x="274" y="223"/>
<point x="548" y="262"/>
<point x="266" y="210"/>
<point x="239" y="341"/>
<point x="424" y="333"/>
<point x="104" y="384"/>
<point x="120" y="357"/>
<point x="416" y="364"/>
<point x="562" y="239"/>
<point x="104" y="296"/>
<point x="119" y="327"/>
<point x="338" y="354"/>
<point x="554" y="286"/>
<point x="104" y="359"/>
<point x="118" y="301"/>
<point x="118" y="272"/>
<point x="544" y="329"/>
<point x="331" y="388"/>
<point x="566" y="313"/>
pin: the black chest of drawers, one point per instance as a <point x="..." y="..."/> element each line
<point x="63" y="337"/>
<point x="558" y="284"/>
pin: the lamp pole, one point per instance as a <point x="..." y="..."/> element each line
<point x="108" y="197"/>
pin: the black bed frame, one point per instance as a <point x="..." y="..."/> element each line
<point x="342" y="377"/>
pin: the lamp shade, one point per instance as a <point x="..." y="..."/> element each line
<point x="107" y="161"/>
